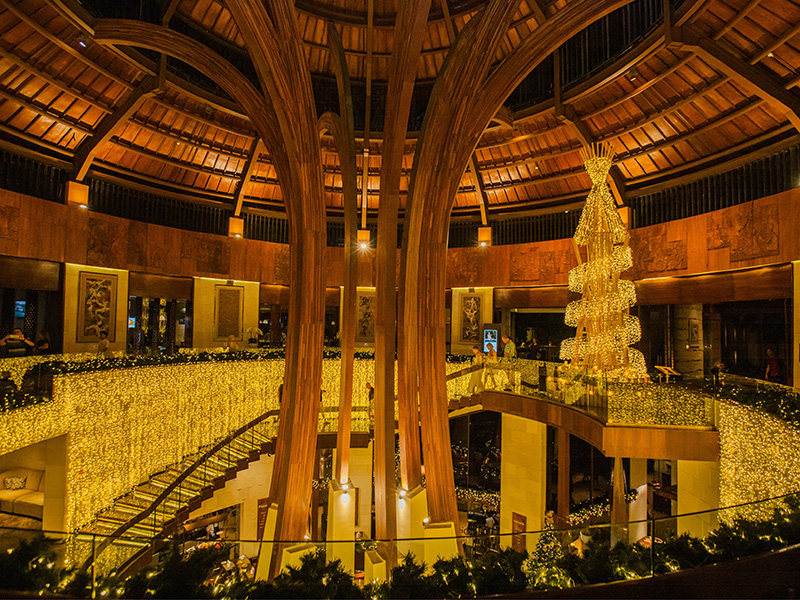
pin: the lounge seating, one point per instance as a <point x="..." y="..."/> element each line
<point x="28" y="500"/>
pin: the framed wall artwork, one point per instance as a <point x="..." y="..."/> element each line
<point x="694" y="333"/>
<point x="365" y="317"/>
<point x="470" y="319"/>
<point x="228" y="312"/>
<point x="97" y="306"/>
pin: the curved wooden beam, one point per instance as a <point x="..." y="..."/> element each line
<point x="345" y="140"/>
<point x="409" y="36"/>
<point x="276" y="48"/>
<point x="213" y="66"/>
<point x="424" y="249"/>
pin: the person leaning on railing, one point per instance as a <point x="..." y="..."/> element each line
<point x="510" y="362"/>
<point x="489" y="366"/>
<point x="475" y="385"/>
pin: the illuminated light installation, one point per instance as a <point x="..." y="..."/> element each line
<point x="605" y="330"/>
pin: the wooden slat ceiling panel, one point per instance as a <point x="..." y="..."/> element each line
<point x="676" y="111"/>
<point x="213" y="17"/>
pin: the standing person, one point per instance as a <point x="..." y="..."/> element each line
<point x="103" y="349"/>
<point x="510" y="359"/>
<point x="491" y="363"/>
<point x="475" y="385"/>
<point x="16" y="343"/>
<point x="371" y="400"/>
<point x="233" y="345"/>
<point x="774" y="372"/>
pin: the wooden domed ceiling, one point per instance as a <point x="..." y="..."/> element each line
<point x="712" y="89"/>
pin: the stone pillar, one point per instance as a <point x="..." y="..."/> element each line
<point x="713" y="339"/>
<point x="361" y="476"/>
<point x="619" y="508"/>
<point x="698" y="490"/>
<point x="153" y="322"/>
<point x="523" y="476"/>
<point x="688" y="340"/>
<point x="505" y="324"/>
<point x="637" y="527"/>
<point x="275" y="325"/>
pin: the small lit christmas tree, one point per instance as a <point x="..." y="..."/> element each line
<point x="605" y="330"/>
<point x="548" y="548"/>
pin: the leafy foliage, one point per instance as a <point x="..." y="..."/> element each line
<point x="32" y="565"/>
<point x="500" y="572"/>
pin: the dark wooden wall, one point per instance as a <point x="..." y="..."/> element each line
<point x="707" y="258"/>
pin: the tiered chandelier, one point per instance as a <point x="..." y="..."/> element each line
<point x="605" y="330"/>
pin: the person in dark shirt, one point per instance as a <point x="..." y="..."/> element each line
<point x="16" y="343"/>
<point x="775" y="370"/>
<point x="371" y="400"/>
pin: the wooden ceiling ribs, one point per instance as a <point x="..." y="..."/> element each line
<point x="91" y="145"/>
<point x="247" y="174"/>
<point x="720" y="162"/>
<point x="63" y="45"/>
<point x="679" y="109"/>
<point x="610" y="136"/>
<point x="28" y="105"/>
<point x="785" y="37"/>
<point x="645" y="150"/>
<point x="67" y="89"/>
<point x="738" y="17"/>
<point x="765" y="85"/>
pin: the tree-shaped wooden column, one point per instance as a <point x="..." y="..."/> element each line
<point x="605" y="330"/>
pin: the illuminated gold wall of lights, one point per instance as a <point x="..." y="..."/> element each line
<point x="123" y="425"/>
<point x="658" y="404"/>
<point x="759" y="458"/>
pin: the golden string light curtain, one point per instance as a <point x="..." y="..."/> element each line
<point x="605" y="329"/>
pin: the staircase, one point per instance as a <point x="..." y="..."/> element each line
<point x="125" y="535"/>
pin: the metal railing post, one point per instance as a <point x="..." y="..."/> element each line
<point x="94" y="566"/>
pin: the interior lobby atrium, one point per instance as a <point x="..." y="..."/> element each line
<point x="399" y="298"/>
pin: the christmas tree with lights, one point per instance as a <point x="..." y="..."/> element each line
<point x="605" y="329"/>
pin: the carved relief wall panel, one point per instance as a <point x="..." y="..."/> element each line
<point x="749" y="230"/>
<point x="470" y="329"/>
<point x="759" y="232"/>
<point x="229" y="309"/>
<point x="365" y="316"/>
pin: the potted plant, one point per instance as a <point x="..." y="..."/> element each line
<point x="253" y="333"/>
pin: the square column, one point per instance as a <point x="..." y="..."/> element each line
<point x="412" y="515"/>
<point x="698" y="490"/>
<point x="341" y="524"/>
<point x="523" y="476"/>
<point x="638" y="508"/>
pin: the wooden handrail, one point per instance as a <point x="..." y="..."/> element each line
<point x="178" y="481"/>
